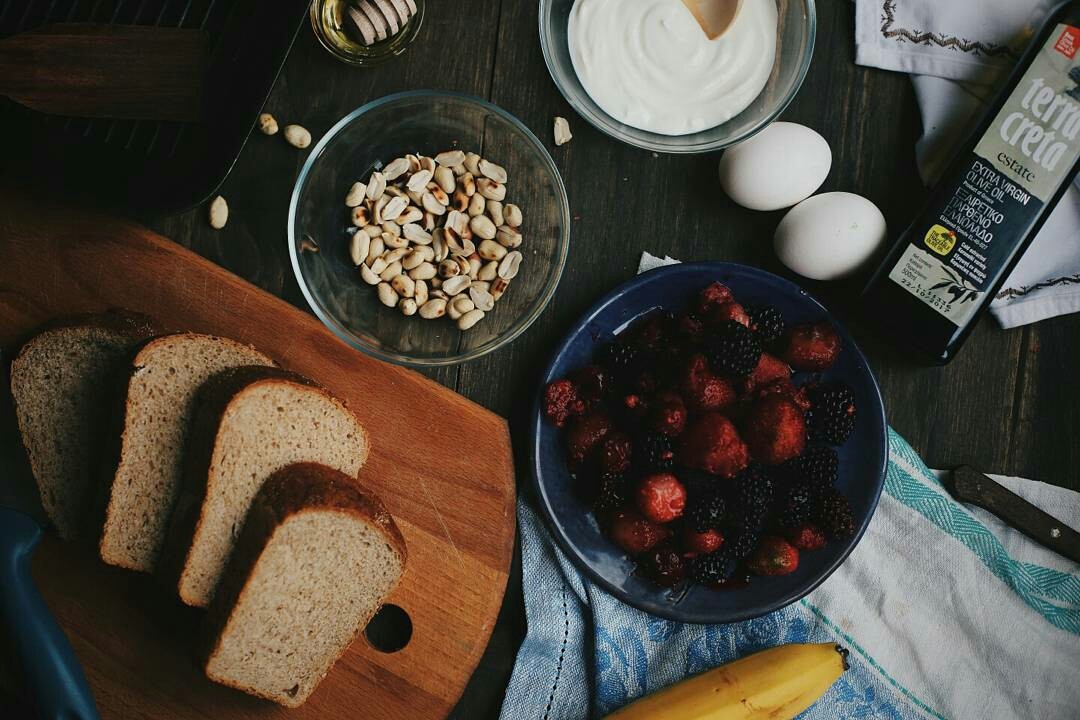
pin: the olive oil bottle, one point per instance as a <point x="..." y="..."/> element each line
<point x="989" y="204"/>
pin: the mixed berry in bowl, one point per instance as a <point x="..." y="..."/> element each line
<point x="704" y="440"/>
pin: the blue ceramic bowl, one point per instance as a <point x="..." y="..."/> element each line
<point x="863" y="457"/>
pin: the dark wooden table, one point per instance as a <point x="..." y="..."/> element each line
<point x="1005" y="405"/>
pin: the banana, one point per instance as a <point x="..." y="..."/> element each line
<point x="775" y="684"/>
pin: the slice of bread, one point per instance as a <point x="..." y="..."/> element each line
<point x="63" y="383"/>
<point x="317" y="556"/>
<point x="164" y="378"/>
<point x="251" y="422"/>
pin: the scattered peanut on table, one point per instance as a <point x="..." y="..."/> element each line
<point x="267" y="124"/>
<point x="434" y="235"/>
<point x="562" y="131"/>
<point x="219" y="212"/>
<point x="297" y="136"/>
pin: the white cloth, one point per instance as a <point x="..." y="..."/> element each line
<point x="956" y="51"/>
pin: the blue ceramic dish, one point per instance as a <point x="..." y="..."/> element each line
<point x="863" y="457"/>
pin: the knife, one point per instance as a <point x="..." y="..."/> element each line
<point x="972" y="487"/>
<point x="57" y="686"/>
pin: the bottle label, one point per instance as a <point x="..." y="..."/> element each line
<point x="968" y="233"/>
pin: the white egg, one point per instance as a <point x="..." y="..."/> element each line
<point x="779" y="167"/>
<point x="830" y="235"/>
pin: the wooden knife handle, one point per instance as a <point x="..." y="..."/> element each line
<point x="970" y="486"/>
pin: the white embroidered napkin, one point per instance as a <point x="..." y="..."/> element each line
<point x="956" y="51"/>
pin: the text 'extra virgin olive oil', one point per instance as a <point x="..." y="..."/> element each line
<point x="989" y="204"/>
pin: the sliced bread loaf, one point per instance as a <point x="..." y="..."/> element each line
<point x="251" y="422"/>
<point x="164" y="378"/>
<point x="317" y="556"/>
<point x="63" y="383"/>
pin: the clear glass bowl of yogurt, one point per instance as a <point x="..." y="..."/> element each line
<point x="643" y="71"/>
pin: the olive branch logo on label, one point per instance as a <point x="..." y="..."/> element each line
<point x="1074" y="75"/>
<point x="960" y="289"/>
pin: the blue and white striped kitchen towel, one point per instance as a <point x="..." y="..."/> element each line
<point x="947" y="612"/>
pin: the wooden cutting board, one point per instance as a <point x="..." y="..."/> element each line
<point x="441" y="464"/>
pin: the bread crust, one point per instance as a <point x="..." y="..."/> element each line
<point x="111" y="465"/>
<point x="294" y="489"/>
<point x="135" y="328"/>
<point x="212" y="404"/>
<point x="136" y="325"/>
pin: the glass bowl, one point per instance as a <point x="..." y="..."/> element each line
<point x="423" y="122"/>
<point x="794" y="48"/>
<point x="326" y="21"/>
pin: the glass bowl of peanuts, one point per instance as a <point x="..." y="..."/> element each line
<point x="428" y="228"/>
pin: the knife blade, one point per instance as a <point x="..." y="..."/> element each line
<point x="971" y="486"/>
<point x="55" y="680"/>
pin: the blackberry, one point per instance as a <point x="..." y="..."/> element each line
<point x="833" y="514"/>
<point x="611" y="492"/>
<point x="741" y="539"/>
<point x="831" y="417"/>
<point x="706" y="511"/>
<point x="629" y="411"/>
<point x="733" y="350"/>
<point x="664" y="565"/>
<point x="593" y="384"/>
<point x="767" y="322"/>
<point x="713" y="568"/>
<point x="698" y="483"/>
<point x="797" y="508"/>
<point x="818" y="466"/>
<point x="621" y="359"/>
<point x="755" y="493"/>
<point x="656" y="451"/>
<point x="653" y="330"/>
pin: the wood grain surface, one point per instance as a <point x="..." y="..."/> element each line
<point x="110" y="71"/>
<point x="441" y="465"/>
<point x="1007" y="404"/>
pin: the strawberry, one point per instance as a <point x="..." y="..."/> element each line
<point x="721" y="314"/>
<point x="695" y="543"/>
<point x="613" y="453"/>
<point x="593" y="383"/>
<point x="634" y="533"/>
<point x="713" y="444"/>
<point x="773" y="556"/>
<point x="668" y="414"/>
<point x="786" y="389"/>
<point x="705" y="391"/>
<point x="712" y="296"/>
<point x="584" y="433"/>
<point x="775" y="430"/>
<point x="562" y="402"/>
<point x="812" y="347"/>
<point x="807" y="537"/>
<point x="769" y="369"/>
<point x="664" y="565"/>
<point x="661" y="497"/>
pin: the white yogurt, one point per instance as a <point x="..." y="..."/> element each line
<point x="648" y="64"/>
